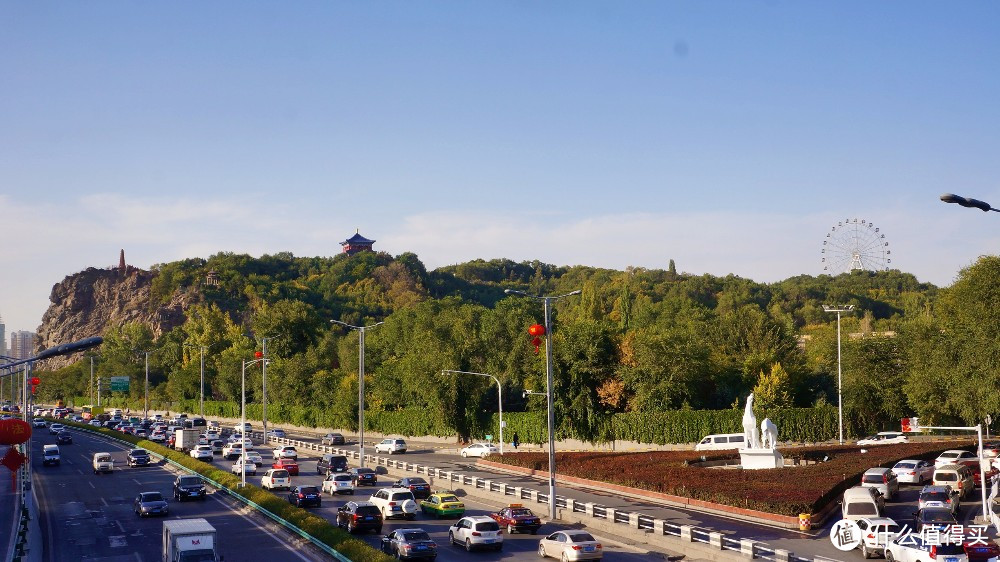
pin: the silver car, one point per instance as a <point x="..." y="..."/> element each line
<point x="912" y="471"/>
<point x="882" y="479"/>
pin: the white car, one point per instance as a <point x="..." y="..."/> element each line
<point x="885" y="438"/>
<point x="38" y="422"/>
<point x="254" y="457"/>
<point x="95" y="423"/>
<point x="55" y="428"/>
<point x="217" y="446"/>
<point x="477" y="531"/>
<point x="571" y="545"/>
<point x="285" y="452"/>
<point x="202" y="453"/>
<point x="876" y="532"/>
<point x="479" y="450"/>
<point x="912" y="471"/>
<point x="395" y="502"/>
<point x="232" y="450"/>
<point x="245" y="428"/>
<point x="250" y="468"/>
<point x="158" y="437"/>
<point x="953" y="456"/>
<point x="338" y="483"/>
<point x="913" y="547"/>
<point x="390" y="446"/>
<point x="276" y="478"/>
<point x="212" y="435"/>
<point x="882" y="479"/>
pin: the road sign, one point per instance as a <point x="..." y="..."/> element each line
<point x="119" y="384"/>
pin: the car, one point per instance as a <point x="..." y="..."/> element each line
<point x="476" y="531"/>
<point x="287" y="464"/>
<point x="332" y="439"/>
<point x="420" y="488"/>
<point x="276" y="432"/>
<point x="38" y="422"/>
<point x="158" y="437"/>
<point x="955" y="476"/>
<point x="860" y="502"/>
<point x="981" y="549"/>
<point x="331" y="463"/>
<point x="883" y="480"/>
<point x="244" y="428"/>
<point x="303" y="496"/>
<point x="390" y="446"/>
<point x="338" y="483"/>
<point x="914" y="547"/>
<point x="64" y="438"/>
<point x="395" y="503"/>
<point x="479" y="450"/>
<point x="517" y="518"/>
<point x="238" y="466"/>
<point x="233" y="451"/>
<point x="363" y="476"/>
<point x="571" y="545"/>
<point x="140" y="432"/>
<point x="276" y="479"/>
<point x="355" y="517"/>
<point x="203" y="453"/>
<point x="938" y="496"/>
<point x="189" y="486"/>
<point x="443" y="504"/>
<point x="217" y="445"/>
<point x="212" y="435"/>
<point x="911" y="471"/>
<point x="876" y="532"/>
<point x="150" y="503"/>
<point x="285" y="452"/>
<point x="953" y="456"/>
<point x="137" y="457"/>
<point x="95" y="423"/>
<point x="409" y="544"/>
<point x="55" y="428"/>
<point x="50" y="455"/>
<point x="884" y="438"/>
<point x="933" y="517"/>
<point x="254" y="457"/>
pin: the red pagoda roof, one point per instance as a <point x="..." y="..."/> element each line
<point x="358" y="240"/>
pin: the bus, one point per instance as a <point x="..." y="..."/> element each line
<point x="90" y="412"/>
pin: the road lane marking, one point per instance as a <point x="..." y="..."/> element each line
<point x="91" y="484"/>
<point x="104" y="501"/>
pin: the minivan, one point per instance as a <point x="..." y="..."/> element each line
<point x="103" y="463"/>
<point x="861" y="503"/>
<point x="328" y="464"/>
<point x="50" y="455"/>
<point x="958" y="477"/>
<point x="721" y="441"/>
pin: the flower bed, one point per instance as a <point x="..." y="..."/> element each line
<point x="785" y="491"/>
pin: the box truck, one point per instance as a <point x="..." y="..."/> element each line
<point x="190" y="540"/>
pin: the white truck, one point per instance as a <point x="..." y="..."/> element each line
<point x="185" y="439"/>
<point x="190" y="540"/>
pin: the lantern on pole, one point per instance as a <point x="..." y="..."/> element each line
<point x="14" y="431"/>
<point x="36" y="381"/>
<point x="258" y="354"/>
<point x="536" y="330"/>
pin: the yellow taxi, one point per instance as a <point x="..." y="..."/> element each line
<point x="443" y="504"/>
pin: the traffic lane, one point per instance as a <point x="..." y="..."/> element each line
<point x="87" y="515"/>
<point x="519" y="546"/>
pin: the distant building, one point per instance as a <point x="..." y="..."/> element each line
<point x="357" y="243"/>
<point x="3" y="337"/>
<point x="212" y="278"/>
<point x="22" y="344"/>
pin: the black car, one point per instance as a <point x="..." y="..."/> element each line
<point x="409" y="544"/>
<point x="333" y="439"/>
<point x="64" y="438"/>
<point x="363" y="477"/>
<point x="303" y="496"/>
<point x="150" y="503"/>
<point x="137" y="457"/>
<point x="331" y="463"/>
<point x="933" y="517"/>
<point x="421" y="488"/>
<point x="359" y="516"/>
<point x="188" y="486"/>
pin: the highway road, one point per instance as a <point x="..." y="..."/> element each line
<point x="89" y="517"/>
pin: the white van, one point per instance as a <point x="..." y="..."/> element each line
<point x="721" y="441"/>
<point x="861" y="503"/>
<point x="103" y="463"/>
<point x="50" y="455"/>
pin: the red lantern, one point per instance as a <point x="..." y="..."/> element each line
<point x="35" y="381"/>
<point x="536" y="330"/>
<point x="258" y="354"/>
<point x="13" y="459"/>
<point x="14" y="431"/>
<point x="536" y="342"/>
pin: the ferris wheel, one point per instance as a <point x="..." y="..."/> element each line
<point x="855" y="244"/>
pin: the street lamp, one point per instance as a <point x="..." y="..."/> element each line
<point x="202" y="348"/>
<point x="548" y="388"/>
<point x="840" y="380"/>
<point x="263" y="370"/>
<point x="499" y="397"/>
<point x="968" y="202"/>
<point x="145" y="406"/>
<point x="243" y="416"/>
<point x="361" y="384"/>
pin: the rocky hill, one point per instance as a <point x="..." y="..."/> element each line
<point x="85" y="304"/>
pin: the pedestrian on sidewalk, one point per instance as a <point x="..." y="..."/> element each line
<point x="517" y="440"/>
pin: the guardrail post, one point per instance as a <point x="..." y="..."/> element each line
<point x="533" y="495"/>
<point x="609" y="513"/>
<point x="486" y="484"/>
<point x="659" y="527"/>
<point x="517" y="492"/>
<point x="687" y="533"/>
<point x="782" y="555"/>
<point x="588" y="508"/>
<point x="746" y="547"/>
<point x="715" y="539"/>
<point x="633" y="520"/>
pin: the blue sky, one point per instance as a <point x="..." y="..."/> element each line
<point x="728" y="136"/>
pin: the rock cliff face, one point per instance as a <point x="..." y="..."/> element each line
<point x="88" y="303"/>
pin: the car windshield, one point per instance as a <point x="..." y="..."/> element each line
<point x="368" y="510"/>
<point x="401" y="496"/>
<point x="872" y="479"/>
<point x="580" y="537"/>
<point x="416" y="536"/>
<point x="949" y="455"/>
<point x="309" y="490"/>
<point x="520" y="512"/>
<point x="449" y="499"/>
<point x="934" y="496"/>
<point x="937" y="516"/>
<point x="945" y="476"/>
<point x="279" y="474"/>
<point x="905" y="465"/>
<point x="487" y="526"/>
<point x="138" y="452"/>
<point x="342" y="478"/>
<point x="151" y="497"/>
<point x="365" y="471"/>
<point x="417" y="481"/>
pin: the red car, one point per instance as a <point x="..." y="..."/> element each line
<point x="288" y="464"/>
<point x="516" y="517"/>
<point x="981" y="549"/>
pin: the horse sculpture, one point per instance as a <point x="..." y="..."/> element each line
<point x="768" y="434"/>
<point x="750" y="435"/>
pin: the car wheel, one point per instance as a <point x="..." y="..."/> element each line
<point x="510" y="528"/>
<point x="465" y="455"/>
<point x="564" y="558"/>
<point x="541" y="550"/>
<point x="865" y="553"/>
<point x="451" y="538"/>
<point x="468" y="545"/>
<point x="350" y="527"/>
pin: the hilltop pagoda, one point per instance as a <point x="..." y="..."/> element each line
<point x="357" y="243"/>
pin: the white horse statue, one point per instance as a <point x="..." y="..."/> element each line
<point x="768" y="434"/>
<point x="750" y="434"/>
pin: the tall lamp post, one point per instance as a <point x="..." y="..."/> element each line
<point x="840" y="380"/>
<point x="547" y="301"/>
<point x="145" y="406"/>
<point x="202" y="348"/>
<point x="499" y="397"/>
<point x="361" y="384"/>
<point x="243" y="415"/>
<point x="264" y="383"/>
